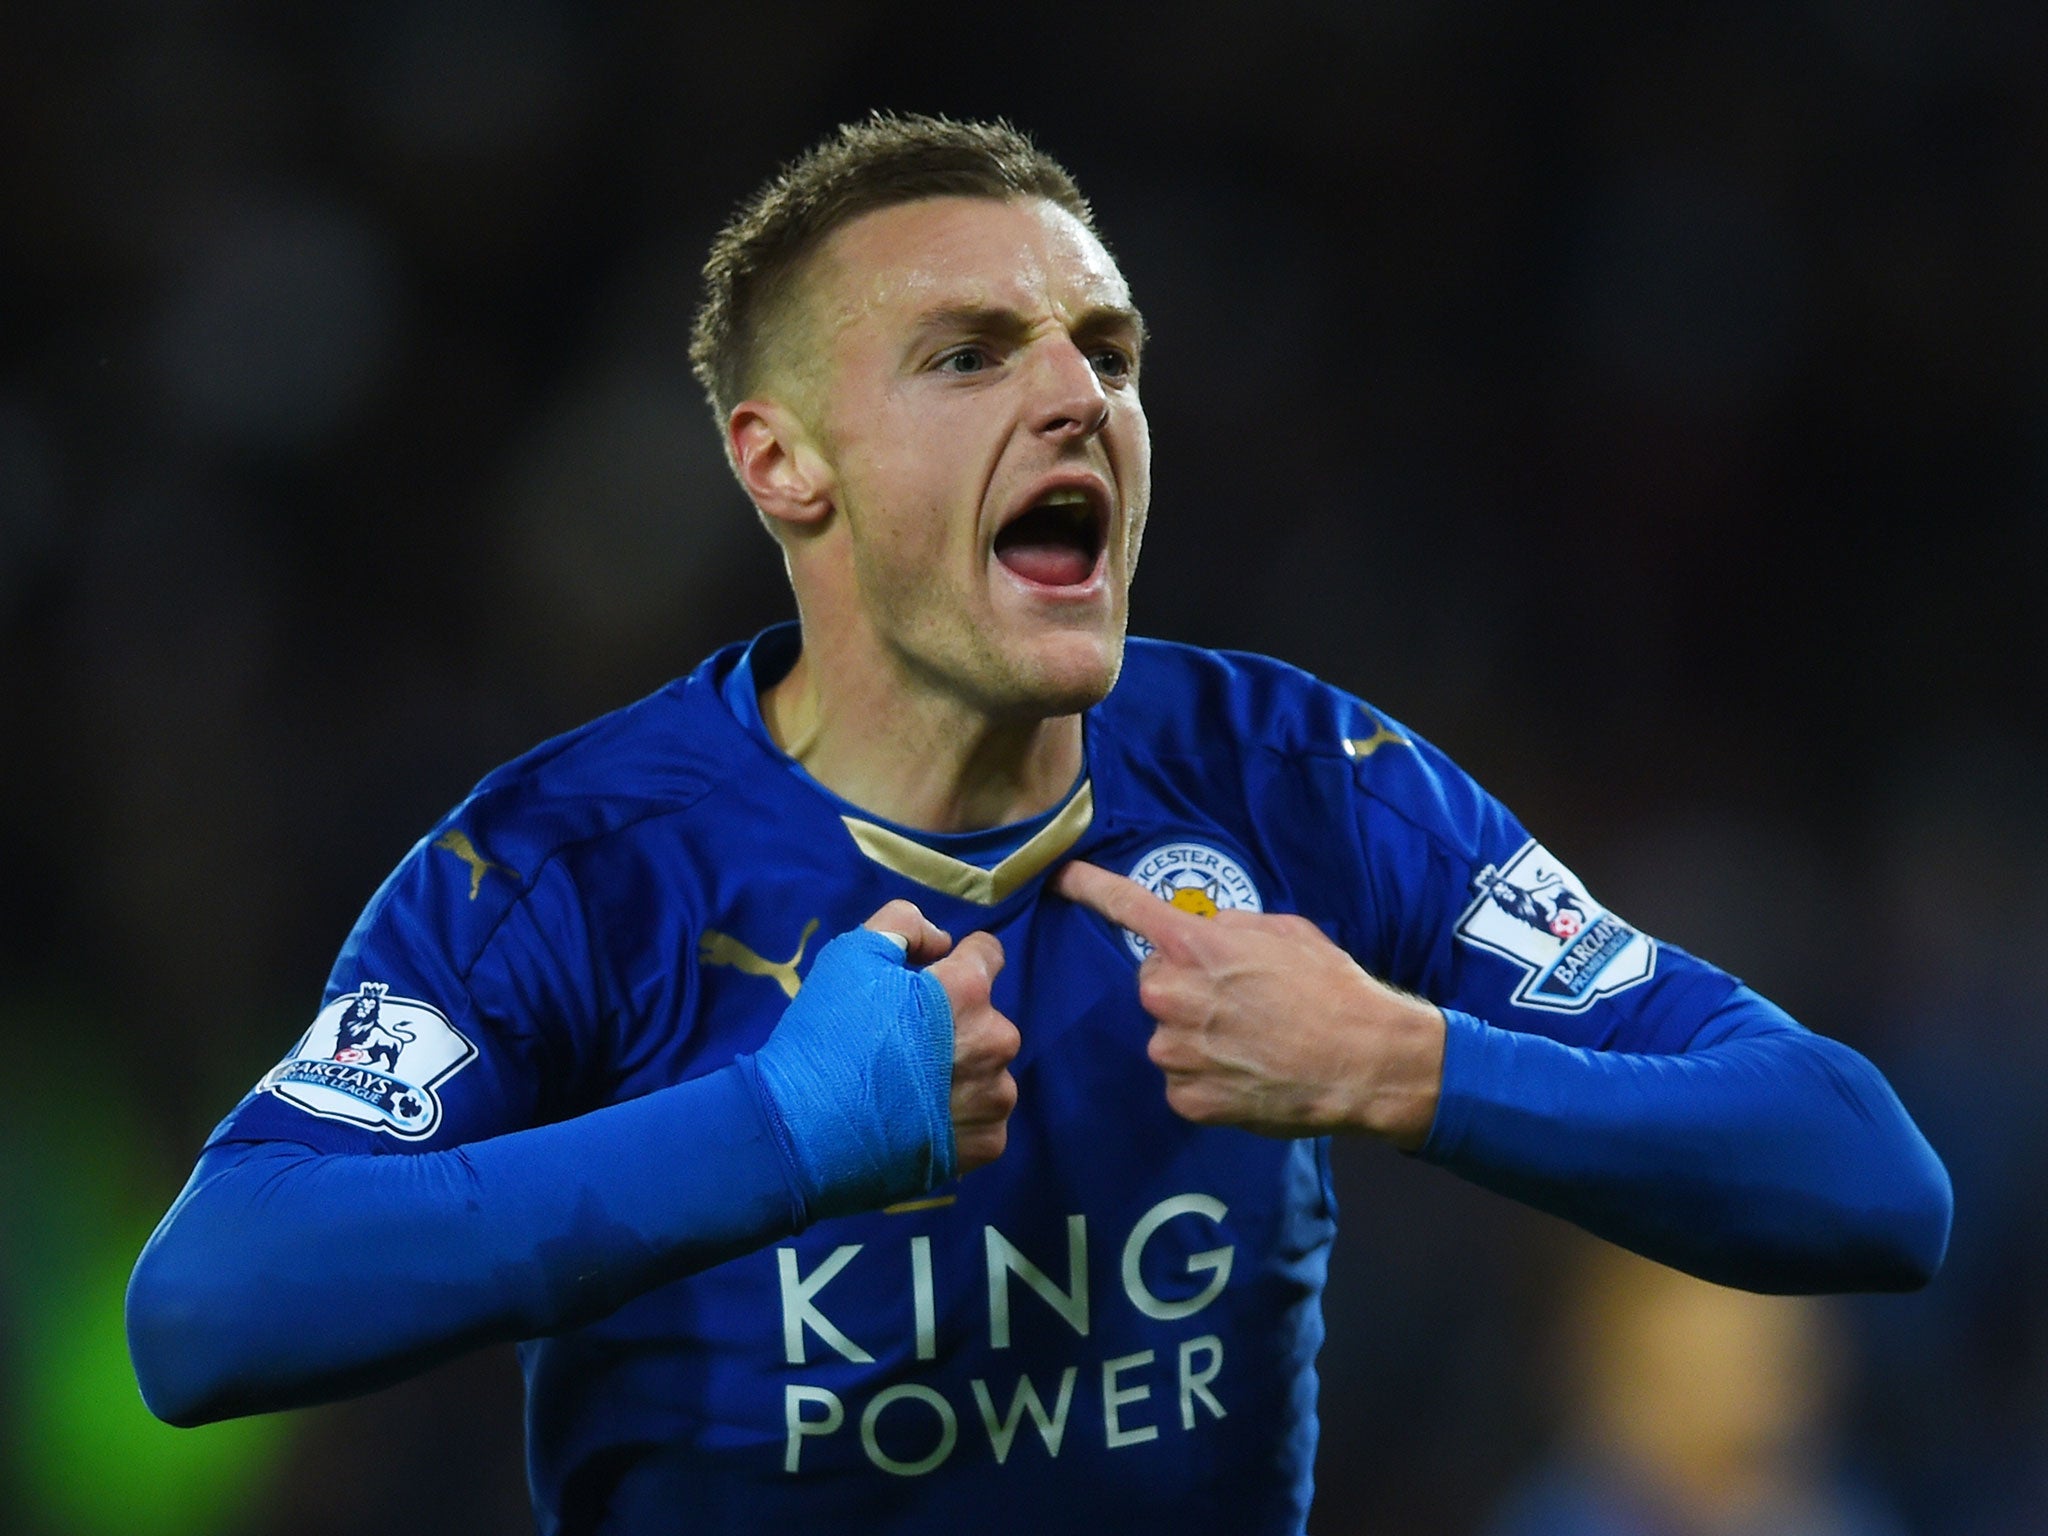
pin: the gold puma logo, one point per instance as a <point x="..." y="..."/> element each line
<point x="1365" y="746"/>
<point x="717" y="948"/>
<point x="458" y="843"/>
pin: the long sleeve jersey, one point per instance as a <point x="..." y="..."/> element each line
<point x="527" y="1111"/>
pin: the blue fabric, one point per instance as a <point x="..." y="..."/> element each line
<point x="1770" y="1160"/>
<point x="534" y="1107"/>
<point x="283" y="1276"/>
<point x="859" y="1073"/>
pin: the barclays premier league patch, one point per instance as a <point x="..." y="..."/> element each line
<point x="374" y="1060"/>
<point x="1572" y="951"/>
<point x="1195" y="878"/>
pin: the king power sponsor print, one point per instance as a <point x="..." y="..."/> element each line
<point x="911" y="1428"/>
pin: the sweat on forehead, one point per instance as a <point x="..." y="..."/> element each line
<point x="758" y="258"/>
<point x="1022" y="257"/>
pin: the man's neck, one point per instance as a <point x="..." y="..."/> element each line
<point x="916" y="759"/>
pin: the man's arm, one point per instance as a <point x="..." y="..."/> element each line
<point x="1774" y="1159"/>
<point x="283" y="1276"/>
<point x="1771" y="1158"/>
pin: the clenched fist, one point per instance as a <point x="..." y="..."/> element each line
<point x="984" y="1041"/>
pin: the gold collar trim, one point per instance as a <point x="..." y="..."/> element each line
<point x="955" y="877"/>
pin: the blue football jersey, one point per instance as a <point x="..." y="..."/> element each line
<point x="1115" y="1325"/>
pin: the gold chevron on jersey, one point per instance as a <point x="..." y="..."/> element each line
<point x="969" y="882"/>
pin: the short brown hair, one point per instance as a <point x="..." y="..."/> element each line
<point x="879" y="162"/>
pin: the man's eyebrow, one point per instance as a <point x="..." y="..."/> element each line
<point x="1099" y="319"/>
<point x="999" y="320"/>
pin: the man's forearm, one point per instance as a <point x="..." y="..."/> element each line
<point x="1775" y="1160"/>
<point x="283" y="1276"/>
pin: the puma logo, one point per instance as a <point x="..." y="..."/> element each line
<point x="717" y="948"/>
<point x="1355" y="746"/>
<point x="458" y="843"/>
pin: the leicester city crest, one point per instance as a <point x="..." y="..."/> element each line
<point x="1572" y="951"/>
<point x="1195" y="878"/>
<point x="374" y="1060"/>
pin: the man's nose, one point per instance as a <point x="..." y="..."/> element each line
<point x="1067" y="400"/>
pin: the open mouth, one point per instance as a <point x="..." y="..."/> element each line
<point x="1056" y="541"/>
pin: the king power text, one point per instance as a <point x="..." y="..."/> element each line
<point x="910" y="1428"/>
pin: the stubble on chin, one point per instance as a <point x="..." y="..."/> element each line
<point x="1020" y="684"/>
<point x="1046" y="687"/>
<point x="1002" y="666"/>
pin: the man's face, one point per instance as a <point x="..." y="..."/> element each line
<point x="990" y="459"/>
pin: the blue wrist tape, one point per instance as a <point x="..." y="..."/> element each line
<point x="859" y="1076"/>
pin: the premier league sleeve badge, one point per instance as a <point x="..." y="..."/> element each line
<point x="374" y="1060"/>
<point x="1572" y="951"/>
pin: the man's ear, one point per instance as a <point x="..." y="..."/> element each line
<point x="779" y="464"/>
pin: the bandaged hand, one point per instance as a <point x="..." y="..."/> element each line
<point x="889" y="1072"/>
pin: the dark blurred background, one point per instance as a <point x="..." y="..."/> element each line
<point x="1649" y="405"/>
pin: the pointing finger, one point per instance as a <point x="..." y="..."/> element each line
<point x="1121" y="900"/>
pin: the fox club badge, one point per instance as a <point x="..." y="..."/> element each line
<point x="374" y="1060"/>
<point x="1195" y="878"/>
<point x="1572" y="951"/>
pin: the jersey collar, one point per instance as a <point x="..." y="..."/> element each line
<point x="900" y="849"/>
<point x="911" y="859"/>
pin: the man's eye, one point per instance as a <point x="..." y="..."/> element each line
<point x="1113" y="362"/>
<point x="963" y="360"/>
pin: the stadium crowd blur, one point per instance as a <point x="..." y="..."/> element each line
<point x="1649" y="405"/>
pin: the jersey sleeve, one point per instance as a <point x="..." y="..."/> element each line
<point x="1617" y="1081"/>
<point x="466" y="1003"/>
<point x="466" y="1028"/>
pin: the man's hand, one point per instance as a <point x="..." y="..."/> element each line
<point x="889" y="1076"/>
<point x="984" y="1042"/>
<point x="1264" y="1023"/>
